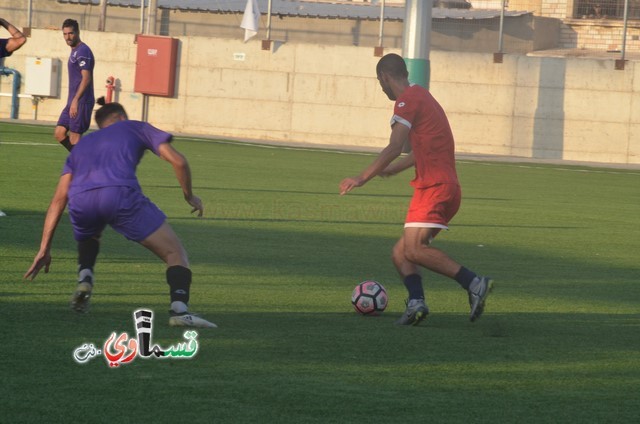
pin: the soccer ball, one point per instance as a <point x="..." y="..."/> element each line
<point x="369" y="298"/>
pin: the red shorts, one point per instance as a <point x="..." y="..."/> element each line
<point x="434" y="207"/>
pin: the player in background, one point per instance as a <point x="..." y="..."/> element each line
<point x="75" y="118"/>
<point x="10" y="45"/>
<point x="420" y="119"/>
<point x="99" y="182"/>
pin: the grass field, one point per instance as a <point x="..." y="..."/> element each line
<point x="275" y="259"/>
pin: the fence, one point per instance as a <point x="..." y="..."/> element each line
<point x="474" y="29"/>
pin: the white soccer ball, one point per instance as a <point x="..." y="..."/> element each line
<point x="369" y="298"/>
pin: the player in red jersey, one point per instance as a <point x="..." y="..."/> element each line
<point x="420" y="119"/>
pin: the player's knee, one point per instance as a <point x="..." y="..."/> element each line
<point x="397" y="254"/>
<point x="177" y="256"/>
<point x="60" y="134"/>
<point x="413" y="253"/>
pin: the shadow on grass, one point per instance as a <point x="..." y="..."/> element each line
<point x="339" y="338"/>
<point x="293" y="252"/>
<point x="333" y="193"/>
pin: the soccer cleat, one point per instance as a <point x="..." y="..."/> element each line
<point x="416" y="311"/>
<point x="81" y="297"/>
<point x="478" y="291"/>
<point x="187" y="319"/>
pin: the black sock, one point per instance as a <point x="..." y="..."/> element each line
<point x="67" y="144"/>
<point x="179" y="280"/>
<point x="87" y="254"/>
<point x="413" y="283"/>
<point x="464" y="277"/>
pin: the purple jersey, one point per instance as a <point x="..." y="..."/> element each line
<point x="81" y="59"/>
<point x="109" y="157"/>
<point x="3" y="47"/>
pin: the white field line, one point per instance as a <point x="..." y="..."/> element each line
<point x="27" y="143"/>
<point x="554" y="167"/>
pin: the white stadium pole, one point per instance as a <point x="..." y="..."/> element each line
<point x="29" y="13"/>
<point x="381" y="34"/>
<point x="102" y="22"/>
<point x="417" y="40"/>
<point x="151" y="16"/>
<point x="501" y="30"/>
<point x="624" y="28"/>
<point x="269" y="21"/>
<point x="141" y="16"/>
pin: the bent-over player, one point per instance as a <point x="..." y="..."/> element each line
<point x="99" y="183"/>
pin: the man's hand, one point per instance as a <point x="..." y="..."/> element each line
<point x="196" y="203"/>
<point x="349" y="184"/>
<point x="41" y="260"/>
<point x="73" y="108"/>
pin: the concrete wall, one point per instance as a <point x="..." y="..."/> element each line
<point x="600" y="34"/>
<point x="552" y="108"/>
<point x="574" y="109"/>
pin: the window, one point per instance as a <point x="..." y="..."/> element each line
<point x="606" y="9"/>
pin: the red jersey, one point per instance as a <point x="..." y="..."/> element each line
<point x="430" y="136"/>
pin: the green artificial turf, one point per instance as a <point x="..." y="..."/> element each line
<point x="275" y="259"/>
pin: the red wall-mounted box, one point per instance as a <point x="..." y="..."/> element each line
<point x="156" y="64"/>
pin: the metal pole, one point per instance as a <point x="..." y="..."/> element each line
<point x="145" y="108"/>
<point x="29" y="13"/>
<point x="500" y="34"/>
<point x="269" y="21"/>
<point x="624" y="28"/>
<point x="141" y="16"/>
<point x="151" y="16"/>
<point x="103" y="15"/>
<point x="417" y="40"/>
<point x="381" y="23"/>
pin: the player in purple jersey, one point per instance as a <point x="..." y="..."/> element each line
<point x="10" y="45"/>
<point x="75" y="118"/>
<point x="99" y="182"/>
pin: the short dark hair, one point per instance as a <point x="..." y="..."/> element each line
<point x="393" y="65"/>
<point x="71" y="23"/>
<point x="108" y="110"/>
